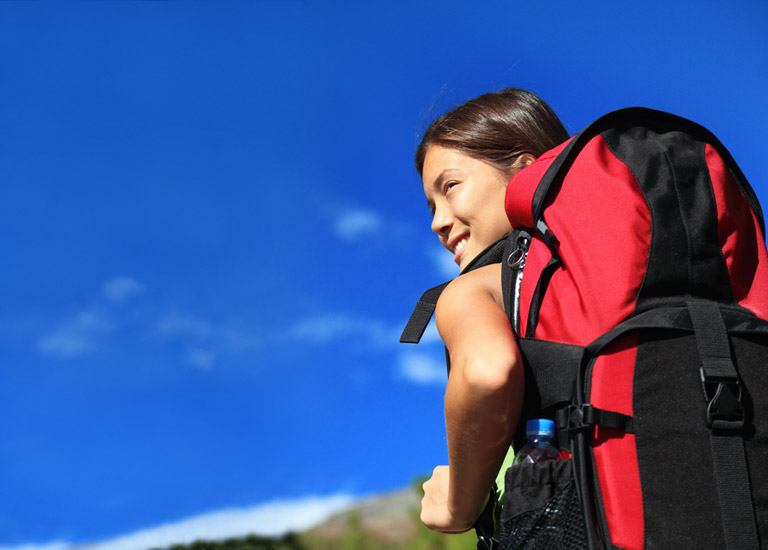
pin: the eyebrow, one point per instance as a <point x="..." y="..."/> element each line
<point x="438" y="183"/>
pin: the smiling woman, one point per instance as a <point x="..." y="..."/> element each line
<point x="466" y="159"/>
<point x="468" y="155"/>
<point x="466" y="197"/>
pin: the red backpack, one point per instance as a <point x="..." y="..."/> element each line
<point x="637" y="283"/>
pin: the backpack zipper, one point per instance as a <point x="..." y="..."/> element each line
<point x="516" y="262"/>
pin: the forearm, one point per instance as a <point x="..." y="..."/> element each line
<point x="482" y="399"/>
<point x="481" y="408"/>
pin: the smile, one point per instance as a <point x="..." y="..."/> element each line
<point x="460" y="245"/>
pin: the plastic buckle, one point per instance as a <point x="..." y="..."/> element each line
<point x="725" y="409"/>
<point x="576" y="418"/>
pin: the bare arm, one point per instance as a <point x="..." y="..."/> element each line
<point x="482" y="399"/>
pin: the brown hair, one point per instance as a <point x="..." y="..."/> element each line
<point x="496" y="128"/>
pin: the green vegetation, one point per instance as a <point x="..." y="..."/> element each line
<point x="356" y="534"/>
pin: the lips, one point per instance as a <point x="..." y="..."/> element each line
<point x="457" y="246"/>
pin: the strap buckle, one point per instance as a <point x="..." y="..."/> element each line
<point x="725" y="409"/>
<point x="575" y="418"/>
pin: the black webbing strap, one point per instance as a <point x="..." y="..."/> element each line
<point x="421" y="315"/>
<point x="585" y="417"/>
<point x="725" y="417"/>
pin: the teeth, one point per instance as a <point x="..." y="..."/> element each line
<point x="460" y="245"/>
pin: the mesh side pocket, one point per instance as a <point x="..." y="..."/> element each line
<point x="541" y="509"/>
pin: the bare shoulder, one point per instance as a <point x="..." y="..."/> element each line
<point x="471" y="320"/>
<point x="471" y="301"/>
<point x="484" y="282"/>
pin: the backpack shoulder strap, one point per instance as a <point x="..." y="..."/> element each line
<point x="421" y="315"/>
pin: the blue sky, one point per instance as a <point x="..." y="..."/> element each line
<point x="213" y="234"/>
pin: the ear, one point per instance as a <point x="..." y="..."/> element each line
<point x="525" y="160"/>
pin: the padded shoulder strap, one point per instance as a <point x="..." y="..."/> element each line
<point x="627" y="118"/>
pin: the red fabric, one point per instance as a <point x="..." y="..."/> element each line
<point x="603" y="224"/>
<point x="615" y="451"/>
<point x="742" y="243"/>
<point x="522" y="187"/>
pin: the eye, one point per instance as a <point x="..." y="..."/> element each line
<point x="450" y="185"/>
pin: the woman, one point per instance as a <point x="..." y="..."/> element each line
<point x="466" y="159"/>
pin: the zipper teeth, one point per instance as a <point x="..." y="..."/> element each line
<point x="516" y="301"/>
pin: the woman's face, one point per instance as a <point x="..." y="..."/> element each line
<point x="466" y="197"/>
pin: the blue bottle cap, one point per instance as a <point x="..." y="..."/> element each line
<point x="540" y="426"/>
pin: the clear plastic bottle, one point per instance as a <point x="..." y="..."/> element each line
<point x="539" y="445"/>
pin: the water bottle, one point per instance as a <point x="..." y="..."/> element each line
<point x="539" y="446"/>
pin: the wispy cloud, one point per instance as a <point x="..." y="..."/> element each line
<point x="83" y="333"/>
<point x="420" y="368"/>
<point x="271" y="519"/>
<point x="323" y="329"/>
<point x="443" y="262"/>
<point x="57" y="545"/>
<point x="363" y="225"/>
<point x="77" y="336"/>
<point x="200" y="358"/>
<point x="357" y="224"/>
<point x="430" y="334"/>
<point x="119" y="289"/>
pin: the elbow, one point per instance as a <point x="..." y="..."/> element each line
<point x="492" y="375"/>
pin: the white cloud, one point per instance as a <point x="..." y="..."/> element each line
<point x="270" y="519"/>
<point x="354" y="225"/>
<point x="421" y="369"/>
<point x="443" y="262"/>
<point x="76" y="337"/>
<point x="430" y="334"/>
<point x="58" y="545"/>
<point x="323" y="329"/>
<point x="119" y="289"/>
<point x="200" y="358"/>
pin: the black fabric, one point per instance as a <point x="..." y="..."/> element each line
<point x="750" y="355"/>
<point x="685" y="255"/>
<point x="680" y="500"/>
<point x="422" y="313"/>
<point x="676" y="317"/>
<point x="491" y="255"/>
<point x="515" y="254"/>
<point x="538" y="294"/>
<point x="540" y="508"/>
<point x="551" y="383"/>
<point x="485" y="525"/>
<point x="586" y="417"/>
<point x="727" y="427"/>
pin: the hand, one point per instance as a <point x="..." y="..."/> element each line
<point x="435" y="512"/>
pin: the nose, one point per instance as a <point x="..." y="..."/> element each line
<point x="442" y="222"/>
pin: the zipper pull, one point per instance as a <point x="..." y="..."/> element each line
<point x="516" y="259"/>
